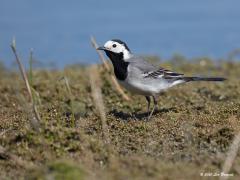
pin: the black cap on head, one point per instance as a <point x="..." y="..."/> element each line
<point x="121" y="42"/>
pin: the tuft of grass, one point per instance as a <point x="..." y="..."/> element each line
<point x="58" y="170"/>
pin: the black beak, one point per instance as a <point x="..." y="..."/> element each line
<point x="101" y="48"/>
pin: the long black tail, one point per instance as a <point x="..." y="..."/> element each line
<point x="187" y="79"/>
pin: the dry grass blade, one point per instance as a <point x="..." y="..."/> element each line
<point x="31" y="67"/>
<point x="98" y="100"/>
<point x="100" y="54"/>
<point x="36" y="119"/>
<point x="115" y="83"/>
<point x="22" y="70"/>
<point x="119" y="89"/>
<point x="71" y="100"/>
<point x="231" y="155"/>
<point x="35" y="94"/>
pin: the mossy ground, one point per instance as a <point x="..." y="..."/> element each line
<point x="189" y="134"/>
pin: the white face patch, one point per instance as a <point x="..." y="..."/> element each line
<point x="116" y="47"/>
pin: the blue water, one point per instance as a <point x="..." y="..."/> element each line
<point x="59" y="31"/>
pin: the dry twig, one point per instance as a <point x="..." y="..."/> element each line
<point x="36" y="118"/>
<point x="108" y="69"/>
<point x="231" y="155"/>
<point x="98" y="100"/>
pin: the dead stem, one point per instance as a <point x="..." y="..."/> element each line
<point x="101" y="56"/>
<point x="36" y="119"/>
<point x="231" y="155"/>
<point x="98" y="100"/>
<point x="108" y="69"/>
<point x="73" y="121"/>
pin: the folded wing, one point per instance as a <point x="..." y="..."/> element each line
<point x="162" y="73"/>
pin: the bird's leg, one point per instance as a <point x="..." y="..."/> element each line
<point x="154" y="106"/>
<point x="148" y="98"/>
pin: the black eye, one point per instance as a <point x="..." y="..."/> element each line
<point x="114" y="45"/>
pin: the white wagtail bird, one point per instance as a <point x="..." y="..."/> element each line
<point x="140" y="77"/>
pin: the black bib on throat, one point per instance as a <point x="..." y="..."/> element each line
<point x="120" y="66"/>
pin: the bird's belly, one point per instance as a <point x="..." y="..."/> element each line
<point x="143" y="88"/>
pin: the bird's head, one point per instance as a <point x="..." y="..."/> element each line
<point x="116" y="48"/>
